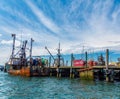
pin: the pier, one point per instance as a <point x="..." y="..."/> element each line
<point x="83" y="68"/>
<point x="87" y="71"/>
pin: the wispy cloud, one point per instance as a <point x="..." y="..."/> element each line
<point x="9" y="42"/>
<point x="95" y="22"/>
<point x="44" y="19"/>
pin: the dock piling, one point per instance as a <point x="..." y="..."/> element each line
<point x="86" y="58"/>
<point x="107" y="62"/>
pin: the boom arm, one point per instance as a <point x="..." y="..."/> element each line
<point x="49" y="53"/>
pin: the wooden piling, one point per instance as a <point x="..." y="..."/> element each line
<point x="60" y="70"/>
<point x="49" y="61"/>
<point x="71" y="70"/>
<point x="107" y="58"/>
<point x="50" y="71"/>
<point x="86" y="58"/>
<point x="57" y="71"/>
<point x="107" y="62"/>
<point x="73" y="73"/>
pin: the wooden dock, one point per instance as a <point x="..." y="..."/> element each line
<point x="88" y="73"/>
<point x="110" y="74"/>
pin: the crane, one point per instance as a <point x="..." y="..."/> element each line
<point x="49" y="52"/>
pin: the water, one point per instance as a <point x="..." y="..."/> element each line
<point x="16" y="87"/>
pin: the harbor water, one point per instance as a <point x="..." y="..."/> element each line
<point x="16" y="87"/>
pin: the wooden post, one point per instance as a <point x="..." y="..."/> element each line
<point x="57" y="71"/>
<point x="107" y="58"/>
<point x="72" y="59"/>
<point x="67" y="63"/>
<point x="109" y="73"/>
<point x="107" y="62"/>
<point x="49" y="61"/>
<point x="60" y="70"/>
<point x="50" y="72"/>
<point x="73" y="71"/>
<point x="71" y="65"/>
<point x="86" y="58"/>
<point x="63" y="62"/>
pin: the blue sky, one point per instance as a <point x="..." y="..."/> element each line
<point x="92" y="23"/>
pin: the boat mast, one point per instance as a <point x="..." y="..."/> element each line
<point x="31" y="47"/>
<point x="25" y="43"/>
<point x="59" y="55"/>
<point x="13" y="49"/>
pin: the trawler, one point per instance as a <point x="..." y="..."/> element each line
<point x="19" y="64"/>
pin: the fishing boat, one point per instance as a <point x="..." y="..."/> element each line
<point x="19" y="64"/>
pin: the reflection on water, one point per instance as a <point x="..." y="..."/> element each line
<point x="16" y="87"/>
